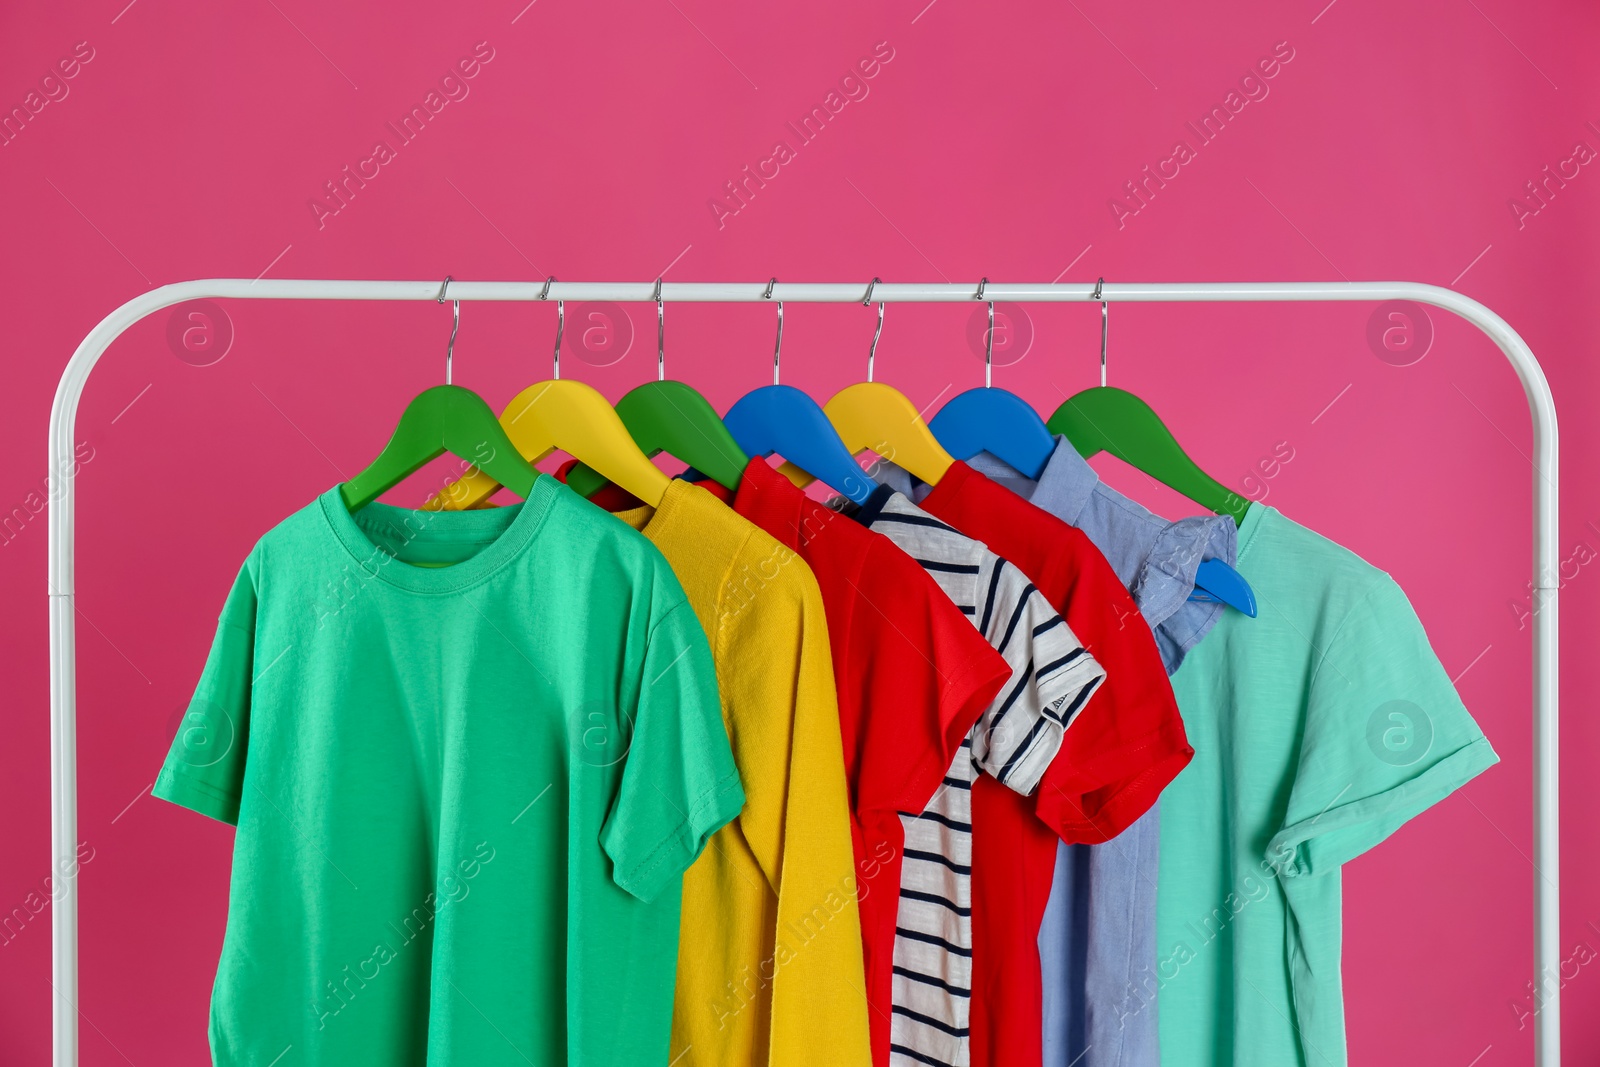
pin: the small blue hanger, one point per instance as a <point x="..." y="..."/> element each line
<point x="1217" y="583"/>
<point x="782" y="419"/>
<point x="992" y="420"/>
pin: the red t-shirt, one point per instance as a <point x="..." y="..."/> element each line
<point x="1121" y="751"/>
<point x="913" y="675"/>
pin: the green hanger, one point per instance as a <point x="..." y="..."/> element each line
<point x="1108" y="419"/>
<point x="1113" y="420"/>
<point x="671" y="417"/>
<point x="445" y="418"/>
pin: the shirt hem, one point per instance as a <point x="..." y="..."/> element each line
<point x="1126" y="783"/>
<point x="1079" y="682"/>
<point x="682" y="845"/>
<point x="198" y="796"/>
<point x="1300" y="849"/>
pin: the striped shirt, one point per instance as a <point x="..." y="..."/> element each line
<point x="1014" y="740"/>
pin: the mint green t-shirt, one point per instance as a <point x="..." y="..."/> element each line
<point x="1319" y="727"/>
<point x="465" y="795"/>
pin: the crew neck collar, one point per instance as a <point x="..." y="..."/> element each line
<point x="1253" y="518"/>
<point x="504" y="532"/>
<point x="654" y="521"/>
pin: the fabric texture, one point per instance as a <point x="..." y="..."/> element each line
<point x="1114" y="762"/>
<point x="770" y="957"/>
<point x="448" y="784"/>
<point x="1098" y="934"/>
<point x="912" y="675"/>
<point x="1052" y="678"/>
<point x="1322" y="725"/>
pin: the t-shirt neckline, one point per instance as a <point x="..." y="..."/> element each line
<point x="1248" y="526"/>
<point x="652" y="521"/>
<point x="508" y="530"/>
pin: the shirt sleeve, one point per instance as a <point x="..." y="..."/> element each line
<point x="679" y="785"/>
<point x="1130" y="742"/>
<point x="1386" y="737"/>
<point x="1052" y="677"/>
<point x="205" y="766"/>
<point x="921" y="675"/>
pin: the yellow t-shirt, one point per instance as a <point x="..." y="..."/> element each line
<point x="769" y="957"/>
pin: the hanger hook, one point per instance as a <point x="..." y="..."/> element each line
<point x="561" y="328"/>
<point x="988" y="337"/>
<point x="1105" y="328"/>
<point x="561" y="325"/>
<point x="661" y="334"/>
<point x="455" y="325"/>
<point x="872" y="354"/>
<point x="777" y="349"/>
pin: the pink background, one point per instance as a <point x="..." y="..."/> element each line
<point x="589" y="147"/>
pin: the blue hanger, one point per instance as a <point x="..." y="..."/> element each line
<point x="998" y="422"/>
<point x="782" y="419"/>
<point x="1217" y="583"/>
<point x="994" y="420"/>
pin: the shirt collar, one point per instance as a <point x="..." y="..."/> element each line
<point x="1066" y="483"/>
<point x="1064" y="486"/>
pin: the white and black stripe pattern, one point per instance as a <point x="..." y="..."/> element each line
<point x="932" y="985"/>
<point x="1052" y="677"/>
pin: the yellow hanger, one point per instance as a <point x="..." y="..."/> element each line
<point x="565" y="415"/>
<point x="871" y="415"/>
<point x="880" y="417"/>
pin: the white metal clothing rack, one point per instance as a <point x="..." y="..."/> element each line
<point x="63" y="415"/>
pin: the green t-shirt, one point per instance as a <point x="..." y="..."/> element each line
<point x="465" y="795"/>
<point x="1318" y="727"/>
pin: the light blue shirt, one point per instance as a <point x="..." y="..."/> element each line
<point x="1097" y="944"/>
